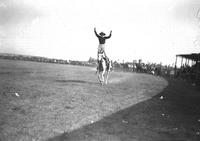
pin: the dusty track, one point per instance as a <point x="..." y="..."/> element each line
<point x="61" y="102"/>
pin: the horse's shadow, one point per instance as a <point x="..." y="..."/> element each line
<point x="77" y="81"/>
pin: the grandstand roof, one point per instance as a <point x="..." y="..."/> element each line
<point x="193" y="56"/>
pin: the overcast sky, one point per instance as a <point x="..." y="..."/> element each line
<point x="151" y="30"/>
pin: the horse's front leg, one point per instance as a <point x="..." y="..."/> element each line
<point x="102" y="78"/>
<point x="107" y="74"/>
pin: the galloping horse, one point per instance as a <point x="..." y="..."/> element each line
<point x="103" y="70"/>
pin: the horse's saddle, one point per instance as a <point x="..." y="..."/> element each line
<point x="101" y="51"/>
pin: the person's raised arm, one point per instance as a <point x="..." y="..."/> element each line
<point x="96" y="32"/>
<point x="109" y="35"/>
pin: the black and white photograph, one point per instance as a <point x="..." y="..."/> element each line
<point x="99" y="70"/>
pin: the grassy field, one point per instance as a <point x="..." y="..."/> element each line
<point x="41" y="101"/>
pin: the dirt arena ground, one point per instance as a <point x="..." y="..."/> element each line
<point x="52" y="102"/>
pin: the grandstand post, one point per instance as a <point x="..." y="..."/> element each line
<point x="188" y="62"/>
<point x="181" y="61"/>
<point x="197" y="74"/>
<point x="175" y="67"/>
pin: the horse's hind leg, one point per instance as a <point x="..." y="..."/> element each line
<point x="102" y="77"/>
<point x="99" y="78"/>
<point x="107" y="72"/>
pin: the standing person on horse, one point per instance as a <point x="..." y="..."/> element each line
<point x="101" y="54"/>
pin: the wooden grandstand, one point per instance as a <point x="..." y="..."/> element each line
<point x="190" y="67"/>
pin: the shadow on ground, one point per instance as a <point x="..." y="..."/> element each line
<point x="76" y="81"/>
<point x="173" y="114"/>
